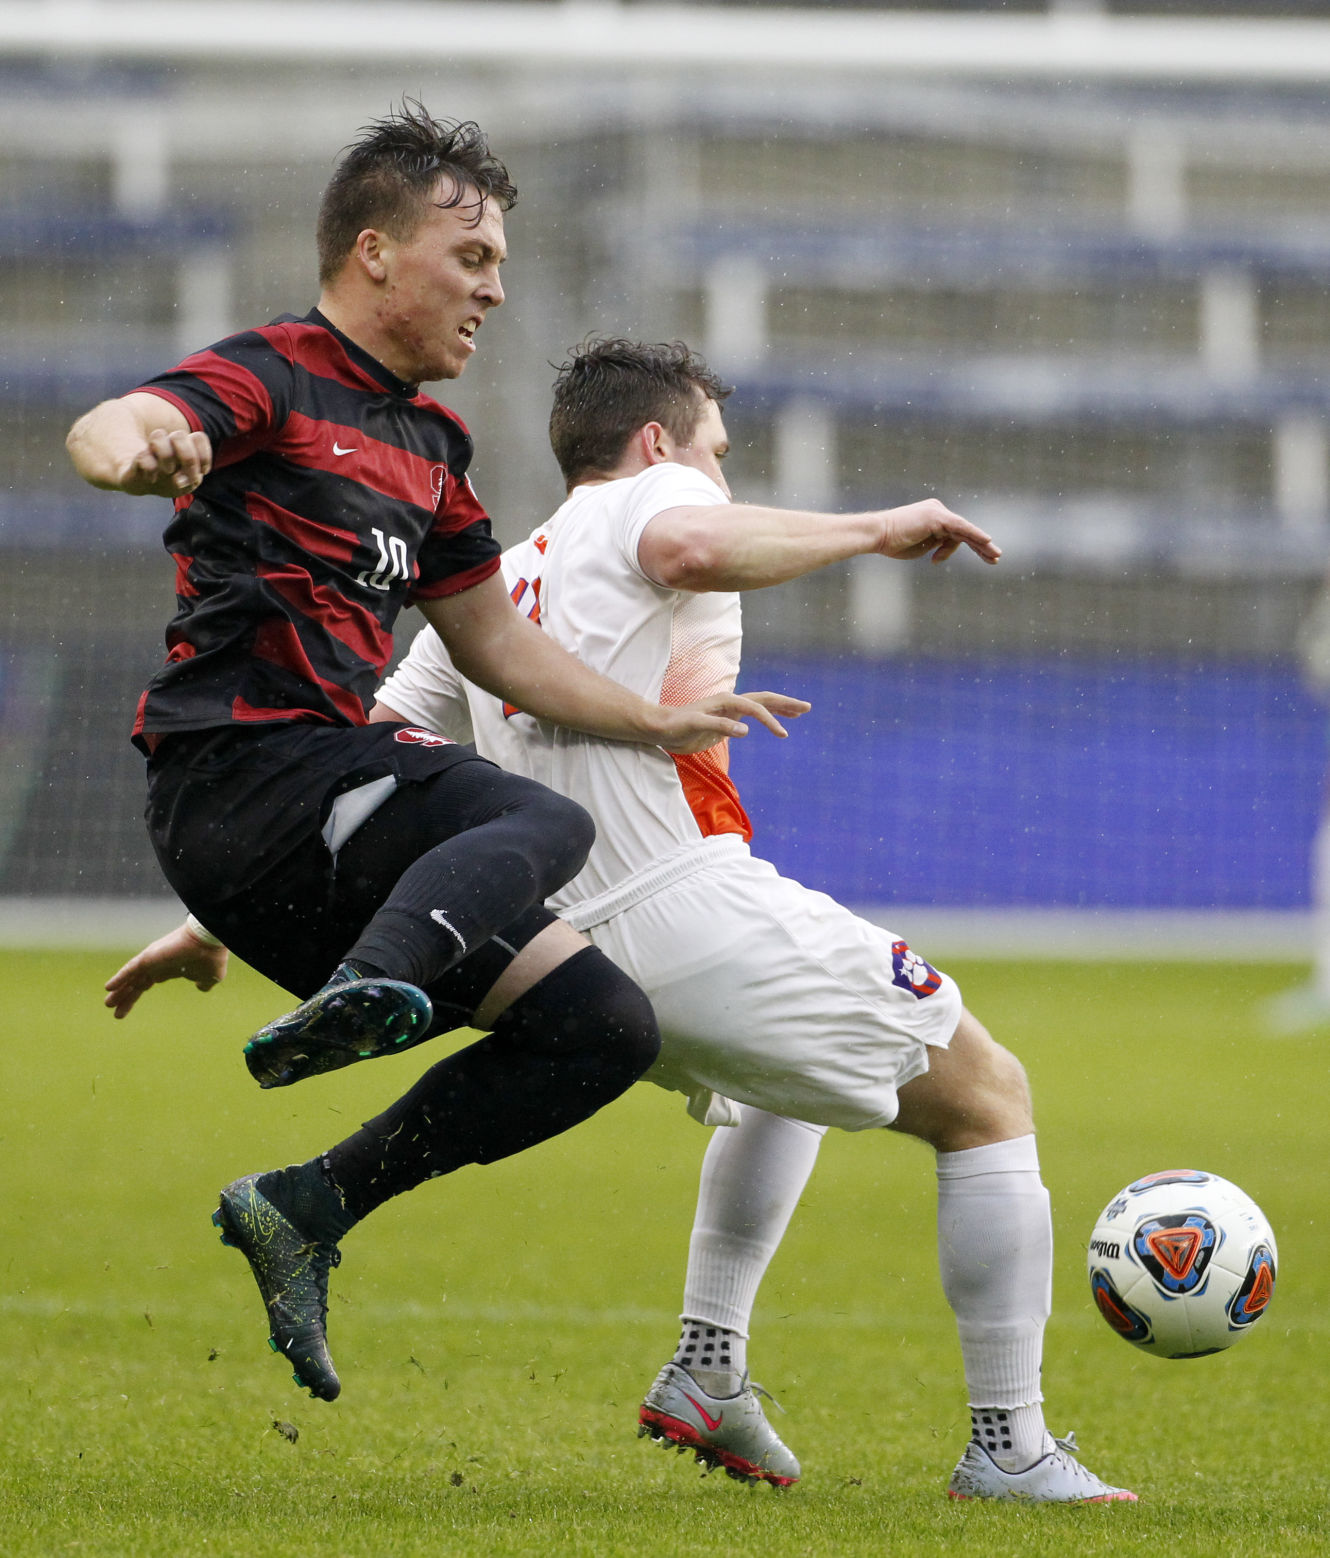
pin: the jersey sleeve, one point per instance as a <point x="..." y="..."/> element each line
<point x="429" y="690"/>
<point x="460" y="551"/>
<point x="662" y="487"/>
<point x="238" y="392"/>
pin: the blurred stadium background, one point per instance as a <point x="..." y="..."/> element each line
<point x="1064" y="265"/>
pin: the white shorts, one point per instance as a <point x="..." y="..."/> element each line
<point x="774" y="995"/>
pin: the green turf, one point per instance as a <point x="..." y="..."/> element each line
<point x="494" y="1332"/>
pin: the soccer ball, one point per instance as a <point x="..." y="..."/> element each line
<point x="1182" y="1263"/>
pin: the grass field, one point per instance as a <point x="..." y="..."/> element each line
<point x="495" y="1331"/>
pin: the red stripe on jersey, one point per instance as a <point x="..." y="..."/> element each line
<point x="348" y="451"/>
<point x="183" y="407"/>
<point x="278" y="643"/>
<point x="324" y="541"/>
<point x="318" y="351"/>
<point x="457" y="506"/>
<point x="183" y="587"/>
<point x="710" y="793"/>
<point x="246" y="398"/>
<point x="457" y="582"/>
<point x="343" y="619"/>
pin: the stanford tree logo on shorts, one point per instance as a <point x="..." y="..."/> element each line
<point x="910" y="972"/>
<point x="413" y="736"/>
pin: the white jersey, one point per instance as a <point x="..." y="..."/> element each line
<point x="766" y="993"/>
<point x="579" y="577"/>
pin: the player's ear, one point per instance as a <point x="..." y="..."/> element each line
<point x="655" y="443"/>
<point x="371" y="253"/>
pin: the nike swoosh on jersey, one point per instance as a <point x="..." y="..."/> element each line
<point x="337" y="448"/>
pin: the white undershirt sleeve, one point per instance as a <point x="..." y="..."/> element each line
<point x="428" y="688"/>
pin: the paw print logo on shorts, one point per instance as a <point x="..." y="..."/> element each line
<point x="910" y="972"/>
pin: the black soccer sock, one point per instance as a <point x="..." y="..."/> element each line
<point x="309" y="1198"/>
<point x="458" y="894"/>
<point x="569" y="1045"/>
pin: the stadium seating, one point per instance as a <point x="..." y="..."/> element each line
<point x="1221" y="376"/>
<point x="1094" y="319"/>
<point x="110" y="261"/>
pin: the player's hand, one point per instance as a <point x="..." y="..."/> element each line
<point x="169" y="465"/>
<point x="177" y="955"/>
<point x="930" y="526"/>
<point x="696" y="727"/>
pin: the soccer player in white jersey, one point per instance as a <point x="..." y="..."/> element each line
<point x="781" y="1012"/>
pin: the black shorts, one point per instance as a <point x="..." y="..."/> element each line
<point x="236" y="817"/>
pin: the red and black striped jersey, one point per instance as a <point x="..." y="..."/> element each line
<point x="338" y="494"/>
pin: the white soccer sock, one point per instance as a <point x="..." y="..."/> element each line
<point x="752" y="1177"/>
<point x="995" y="1249"/>
<point x="717" y="1358"/>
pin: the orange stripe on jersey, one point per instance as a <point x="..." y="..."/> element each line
<point x="710" y="793"/>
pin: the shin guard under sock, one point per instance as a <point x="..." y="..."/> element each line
<point x="570" y="1044"/>
<point x="995" y="1248"/>
<point x="752" y="1177"/>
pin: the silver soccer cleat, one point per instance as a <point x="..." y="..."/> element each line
<point x="1056" y="1478"/>
<point x="724" y="1431"/>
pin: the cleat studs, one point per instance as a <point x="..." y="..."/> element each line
<point x="272" y="1343"/>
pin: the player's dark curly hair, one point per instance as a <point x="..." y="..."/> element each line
<point x="386" y="178"/>
<point x="609" y="387"/>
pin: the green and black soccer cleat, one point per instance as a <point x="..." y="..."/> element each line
<point x="292" y="1274"/>
<point x="350" y="1019"/>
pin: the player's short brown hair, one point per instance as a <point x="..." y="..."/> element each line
<point x="610" y="387"/>
<point x="387" y="178"/>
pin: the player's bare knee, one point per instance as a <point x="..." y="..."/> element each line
<point x="974" y="1093"/>
<point x="999" y="1103"/>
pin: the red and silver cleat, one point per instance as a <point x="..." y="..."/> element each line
<point x="730" y="1432"/>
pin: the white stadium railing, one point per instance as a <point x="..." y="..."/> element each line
<point x="1064" y="42"/>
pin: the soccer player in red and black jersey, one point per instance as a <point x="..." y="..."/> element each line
<point x="389" y="878"/>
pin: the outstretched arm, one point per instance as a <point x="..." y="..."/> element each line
<point x="140" y="444"/>
<point x="180" y="954"/>
<point x="493" y="645"/>
<point x="741" y="546"/>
